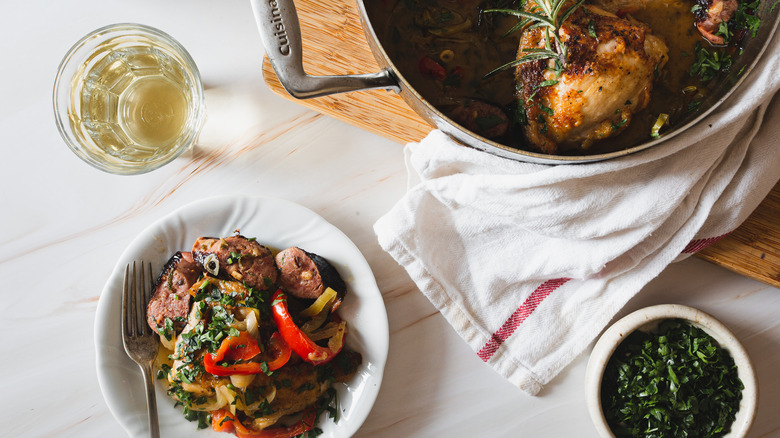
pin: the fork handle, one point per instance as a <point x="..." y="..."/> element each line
<point x="151" y="401"/>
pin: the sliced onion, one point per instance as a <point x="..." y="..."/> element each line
<point x="261" y="423"/>
<point x="319" y="305"/>
<point x="192" y="319"/>
<point x="228" y="395"/>
<point x="328" y="331"/>
<point x="316" y="322"/>
<point x="211" y="264"/>
<point x="168" y="344"/>
<point x="249" y="322"/>
<point x="336" y="342"/>
<point x="241" y="381"/>
<point x="655" y="131"/>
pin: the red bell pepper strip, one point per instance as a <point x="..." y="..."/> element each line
<point x="241" y="347"/>
<point x="431" y="68"/>
<point x="223" y="421"/>
<point x="297" y="340"/>
<point x="283" y="351"/>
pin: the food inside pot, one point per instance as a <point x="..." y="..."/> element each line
<point x="565" y="77"/>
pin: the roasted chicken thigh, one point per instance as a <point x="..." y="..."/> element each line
<point x="606" y="78"/>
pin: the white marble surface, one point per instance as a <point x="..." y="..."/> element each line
<point x="64" y="225"/>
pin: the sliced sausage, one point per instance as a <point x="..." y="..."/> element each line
<point x="307" y="275"/>
<point x="239" y="258"/>
<point x="171" y="296"/>
<point x="711" y="14"/>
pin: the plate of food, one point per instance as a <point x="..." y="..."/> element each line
<point x="269" y="318"/>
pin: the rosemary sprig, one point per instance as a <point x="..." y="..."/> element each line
<point x="549" y="15"/>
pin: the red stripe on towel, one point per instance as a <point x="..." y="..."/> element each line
<point x="699" y="244"/>
<point x="524" y="311"/>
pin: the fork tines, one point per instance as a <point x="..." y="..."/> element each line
<point x="137" y="293"/>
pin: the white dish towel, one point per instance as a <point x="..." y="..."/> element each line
<point x="530" y="262"/>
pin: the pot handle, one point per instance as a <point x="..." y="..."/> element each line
<point x="277" y="21"/>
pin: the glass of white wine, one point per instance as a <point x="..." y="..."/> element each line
<point x="128" y="99"/>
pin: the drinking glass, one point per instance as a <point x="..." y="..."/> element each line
<point x="128" y="99"/>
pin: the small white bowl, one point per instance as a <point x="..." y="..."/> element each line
<point x="647" y="318"/>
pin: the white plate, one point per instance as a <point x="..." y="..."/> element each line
<point x="273" y="222"/>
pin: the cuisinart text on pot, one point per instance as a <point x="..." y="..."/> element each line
<point x="278" y="26"/>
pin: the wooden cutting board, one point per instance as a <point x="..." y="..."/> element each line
<point x="334" y="44"/>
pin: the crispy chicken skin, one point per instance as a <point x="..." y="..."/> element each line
<point x="606" y="79"/>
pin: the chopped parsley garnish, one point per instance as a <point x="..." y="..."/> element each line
<point x="162" y="373"/>
<point x="709" y="64"/>
<point x="166" y="330"/>
<point x="266" y="370"/>
<point x="618" y="125"/>
<point x="724" y="31"/>
<point x="189" y="372"/>
<point x="233" y="258"/>
<point x="676" y="382"/>
<point x="264" y="409"/>
<point x="745" y="18"/>
<point x="258" y="299"/>
<point x="202" y="417"/>
<point x="329" y="403"/>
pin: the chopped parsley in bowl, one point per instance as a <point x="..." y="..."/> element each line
<point x="670" y="371"/>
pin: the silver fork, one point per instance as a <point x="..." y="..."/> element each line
<point x="139" y="339"/>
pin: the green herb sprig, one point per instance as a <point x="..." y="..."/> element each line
<point x="548" y="15"/>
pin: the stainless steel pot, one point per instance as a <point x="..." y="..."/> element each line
<point x="279" y="28"/>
